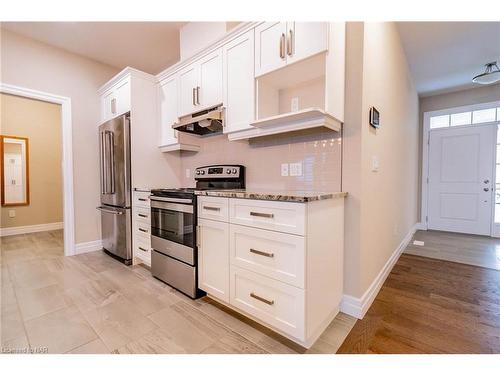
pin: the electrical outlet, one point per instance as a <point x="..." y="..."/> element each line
<point x="188" y="173"/>
<point x="296" y="169"/>
<point x="294" y="104"/>
<point x="284" y="170"/>
<point x="12" y="213"/>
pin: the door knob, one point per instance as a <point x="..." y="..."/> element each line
<point x="486" y="181"/>
<point x="486" y="189"/>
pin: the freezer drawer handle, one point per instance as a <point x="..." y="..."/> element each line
<point x="109" y="211"/>
<point x="263" y="253"/>
<point x="258" y="298"/>
<point x="261" y="214"/>
<point x="211" y="208"/>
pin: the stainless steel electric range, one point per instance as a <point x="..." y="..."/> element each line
<point x="174" y="258"/>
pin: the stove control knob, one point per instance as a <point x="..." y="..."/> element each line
<point x="228" y="171"/>
<point x="202" y="172"/>
<point x="235" y="170"/>
<point x="197" y="172"/>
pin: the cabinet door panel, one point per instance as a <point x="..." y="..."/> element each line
<point x="305" y="39"/>
<point x="239" y="99"/>
<point x="213" y="258"/>
<point x="188" y="81"/>
<point x="168" y="93"/>
<point x="210" y="84"/>
<point x="268" y="47"/>
<point x="122" y="96"/>
<point x="106" y="106"/>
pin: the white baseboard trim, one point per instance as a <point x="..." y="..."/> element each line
<point x="87" y="247"/>
<point x="12" y="231"/>
<point x="420" y="226"/>
<point x="358" y="307"/>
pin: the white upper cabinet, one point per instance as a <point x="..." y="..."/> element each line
<point x="239" y="82"/>
<point x="270" y="44"/>
<point x="200" y="84"/>
<point x="116" y="100"/>
<point x="305" y="39"/>
<point x="280" y="43"/>
<point x="167" y="99"/>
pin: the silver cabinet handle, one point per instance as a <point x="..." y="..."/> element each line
<point x="198" y="95"/>
<point x="258" y="298"/>
<point x="486" y="189"/>
<point x="263" y="253"/>
<point x="142" y="215"/>
<point x="113" y="105"/>
<point x="143" y="230"/>
<point x="486" y="181"/>
<point x="198" y="236"/>
<point x="109" y="211"/>
<point x="142" y="199"/>
<point x="194" y="96"/>
<point x="211" y="208"/>
<point x="143" y="249"/>
<point x="261" y="214"/>
<point x="282" y="46"/>
<point x="289" y="47"/>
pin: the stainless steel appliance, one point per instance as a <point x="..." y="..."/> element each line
<point x="202" y="123"/>
<point x="116" y="216"/>
<point x="174" y="258"/>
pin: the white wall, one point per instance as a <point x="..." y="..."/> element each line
<point x="34" y="65"/>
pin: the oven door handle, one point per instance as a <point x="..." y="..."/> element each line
<point x="173" y="200"/>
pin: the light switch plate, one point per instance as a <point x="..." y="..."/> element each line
<point x="294" y="104"/>
<point x="375" y="163"/>
<point x="284" y="169"/>
<point x="12" y="213"/>
<point x="296" y="169"/>
<point x="188" y="173"/>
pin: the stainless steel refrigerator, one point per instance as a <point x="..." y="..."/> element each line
<point x="116" y="215"/>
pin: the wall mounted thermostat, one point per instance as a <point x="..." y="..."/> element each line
<point x="374" y="117"/>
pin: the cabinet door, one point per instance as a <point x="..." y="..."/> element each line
<point x="188" y="82"/>
<point x="122" y="97"/>
<point x="270" y="49"/>
<point x="213" y="258"/>
<point x="210" y="84"/>
<point x="106" y="105"/>
<point x="239" y="85"/>
<point x="305" y="39"/>
<point x="167" y="95"/>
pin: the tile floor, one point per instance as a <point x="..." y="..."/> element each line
<point x="90" y="303"/>
<point x="457" y="247"/>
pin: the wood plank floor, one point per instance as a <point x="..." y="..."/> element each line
<point x="431" y="306"/>
<point x="90" y="303"/>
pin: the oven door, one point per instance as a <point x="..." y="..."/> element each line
<point x="173" y="229"/>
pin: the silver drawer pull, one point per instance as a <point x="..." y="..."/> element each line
<point x="269" y="255"/>
<point x="142" y="199"/>
<point x="142" y="215"/>
<point x="261" y="214"/>
<point x="258" y="298"/>
<point x="143" y="230"/>
<point x="211" y="208"/>
<point x="143" y="249"/>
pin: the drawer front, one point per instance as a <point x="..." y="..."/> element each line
<point x="213" y="208"/>
<point x="142" y="249"/>
<point x="278" y="304"/>
<point x="142" y="215"/>
<point x="280" y="256"/>
<point x="142" y="229"/>
<point x="278" y="216"/>
<point x="141" y="199"/>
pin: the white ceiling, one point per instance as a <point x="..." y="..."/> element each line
<point x="147" y="46"/>
<point x="444" y="56"/>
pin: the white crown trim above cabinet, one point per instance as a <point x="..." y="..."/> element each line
<point x="279" y="263"/>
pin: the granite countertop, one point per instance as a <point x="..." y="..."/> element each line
<point x="286" y="196"/>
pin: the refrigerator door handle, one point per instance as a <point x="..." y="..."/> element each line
<point x="112" y="161"/>
<point x="102" y="142"/>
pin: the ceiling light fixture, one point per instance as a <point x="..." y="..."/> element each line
<point x="490" y="75"/>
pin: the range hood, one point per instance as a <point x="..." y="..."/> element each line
<point x="207" y="122"/>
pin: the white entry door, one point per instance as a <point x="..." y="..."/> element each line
<point x="461" y="179"/>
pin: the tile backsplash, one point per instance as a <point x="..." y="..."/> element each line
<point x="319" y="152"/>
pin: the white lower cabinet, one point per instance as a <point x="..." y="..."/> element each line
<point x="279" y="263"/>
<point x="275" y="303"/>
<point x="213" y="258"/>
<point x="141" y="227"/>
